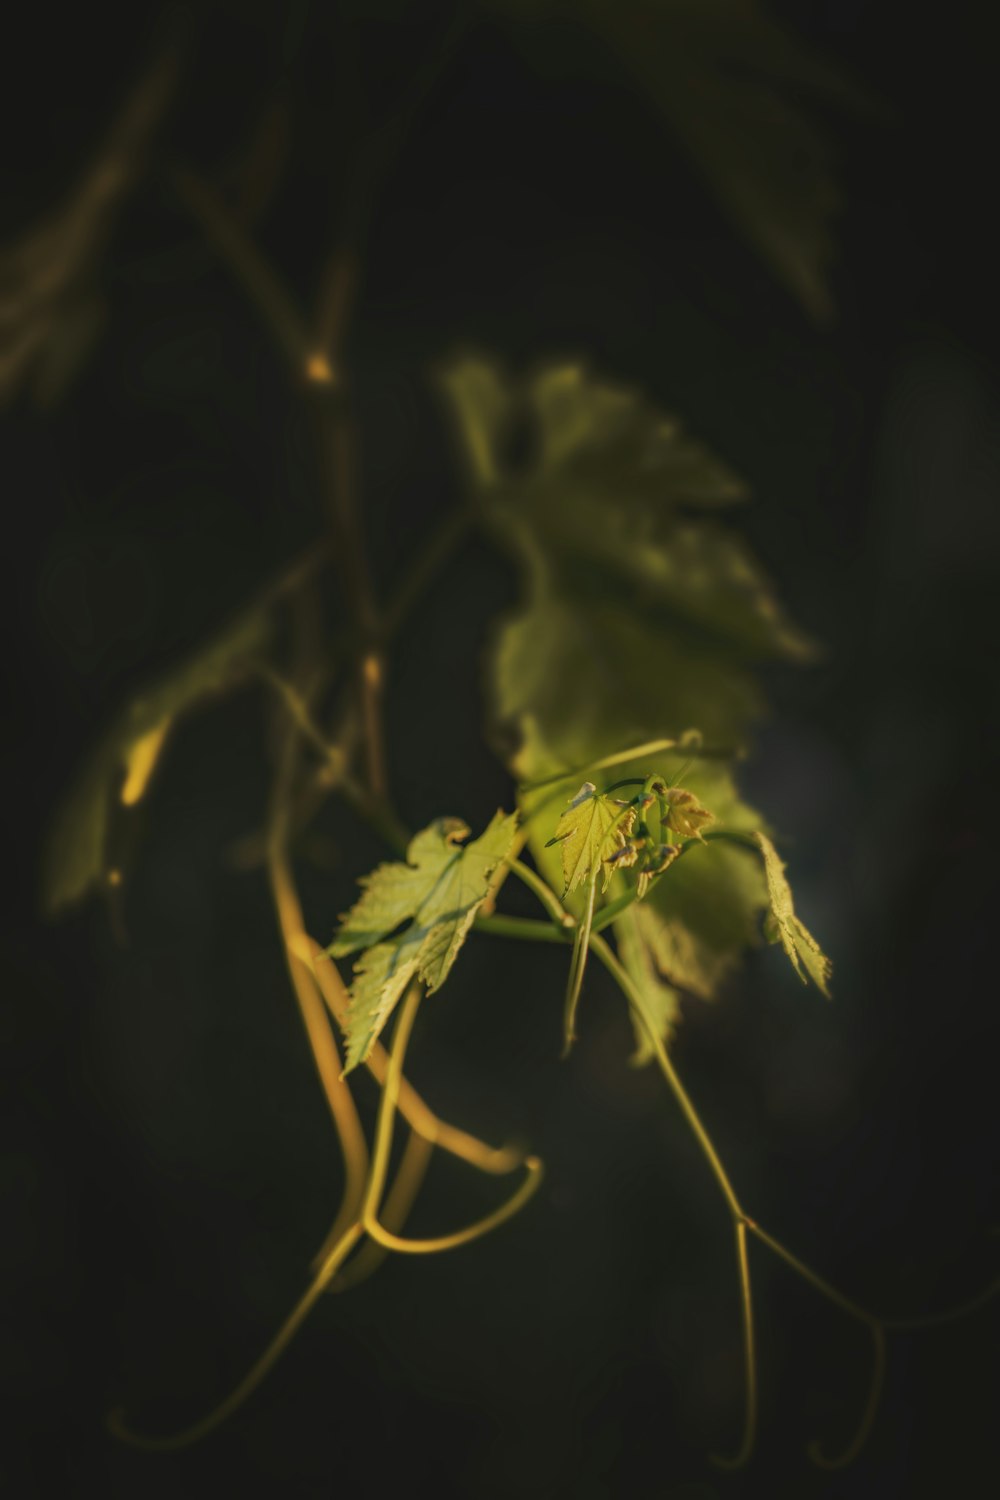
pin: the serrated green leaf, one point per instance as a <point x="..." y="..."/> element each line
<point x="395" y="892"/>
<point x="639" y="622"/>
<point x="119" y="770"/>
<point x="641" y="940"/>
<point x="381" y="976"/>
<point x="807" y="957"/>
<point x="588" y="833"/>
<point x="437" y="892"/>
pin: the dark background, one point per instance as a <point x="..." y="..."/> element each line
<point x="167" y="1165"/>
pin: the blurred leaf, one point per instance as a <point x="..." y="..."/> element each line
<point x="739" y="93"/>
<point x="51" y="310"/>
<point x="120" y="769"/>
<point x="438" y="892"/>
<point x="782" y="925"/>
<point x="640" y="939"/>
<point x="636" y="626"/>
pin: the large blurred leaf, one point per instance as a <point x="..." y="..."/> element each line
<point x="644" y="616"/>
<point x="51" y="308"/>
<point x="739" y="94"/>
<point x="118" y="772"/>
<point x="437" y="893"/>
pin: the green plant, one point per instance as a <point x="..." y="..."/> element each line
<point x="629" y="667"/>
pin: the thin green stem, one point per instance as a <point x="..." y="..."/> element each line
<point x="946" y="1315"/>
<point x="259" y="281"/>
<point x="389" y="1100"/>
<point x="727" y="835"/>
<point x="607" y="914"/>
<point x="383" y="1145"/>
<point x="399" y="1200"/>
<point x="622" y="757"/>
<point x="526" y="929"/>
<point x="853" y="1309"/>
<point x="578" y="964"/>
<point x="749" y="1357"/>
<point x="600" y="947"/>
<point x="514" y="1203"/>
<point x="891" y="1325"/>
<point x="299" y="710"/>
<point x="534" y="931"/>
<point x="875" y="1386"/>
<point x="257" y="1372"/>
<point x="433" y="557"/>
<point x="497" y="1161"/>
<point x="544" y="892"/>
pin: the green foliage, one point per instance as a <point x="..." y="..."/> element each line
<point x="437" y="892"/>
<point x="735" y="90"/>
<point x="643" y="615"/>
<point x="685" y="814"/>
<point x="783" y="926"/>
<point x="589" y="833"/>
<point x="119" y="771"/>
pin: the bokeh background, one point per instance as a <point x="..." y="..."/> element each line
<point x="167" y="1168"/>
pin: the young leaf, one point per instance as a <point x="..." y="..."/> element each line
<point x="686" y="816"/>
<point x="120" y="768"/>
<point x="437" y="892"/>
<point x="783" y="925"/>
<point x="640" y="942"/>
<point x="589" y="832"/>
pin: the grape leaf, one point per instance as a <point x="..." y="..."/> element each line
<point x="642" y="616"/>
<point x="589" y="832"/>
<point x="119" y="770"/>
<point x="617" y="492"/>
<point x="686" y="816"/>
<point x="736" y="90"/>
<point x="437" y="892"/>
<point x="396" y="891"/>
<point x="782" y="925"/>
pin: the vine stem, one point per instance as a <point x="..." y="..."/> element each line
<point x="577" y="967"/>
<point x="853" y="1448"/>
<point x="399" y="1200"/>
<point x="622" y="757"/>
<point x="623" y="979"/>
<point x="430" y="560"/>
<point x="534" y="931"/>
<point x="364" y="1222"/>
<point x="322" y="1043"/>
<point x="246" y="1387"/>
<point x="314" y="357"/>
<point x="496" y="1161"/>
<point x="749" y="1358"/>
<point x="383" y="1144"/>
